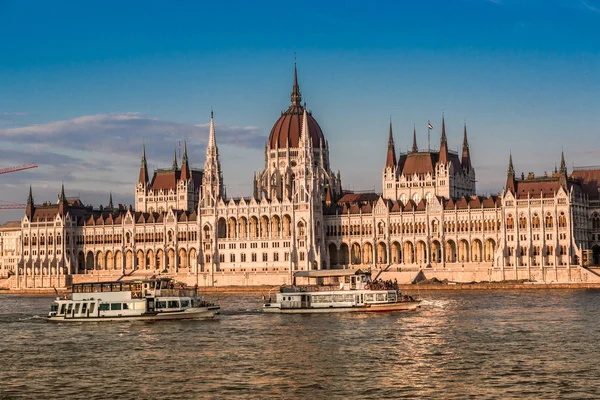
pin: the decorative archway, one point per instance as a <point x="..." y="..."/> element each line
<point x="396" y="253"/>
<point x="343" y="254"/>
<point x="409" y="252"/>
<point x="89" y="260"/>
<point x="436" y="252"/>
<point x="355" y="256"/>
<point x="489" y="250"/>
<point x="110" y="261"/>
<point x="476" y="251"/>
<point x="170" y="262"/>
<point x="421" y="252"/>
<point x="141" y="260"/>
<point x="333" y="255"/>
<point x="221" y="228"/>
<point x="450" y="251"/>
<point x="367" y="253"/>
<point x="99" y="260"/>
<point x="129" y="260"/>
<point x="183" y="259"/>
<point x="463" y="251"/>
<point x="381" y="253"/>
<point x="118" y="259"/>
<point x="150" y="260"/>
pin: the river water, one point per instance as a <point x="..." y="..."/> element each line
<point x="464" y="344"/>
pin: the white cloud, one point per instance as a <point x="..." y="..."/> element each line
<point x="101" y="153"/>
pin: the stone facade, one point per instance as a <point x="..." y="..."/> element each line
<point x="298" y="218"/>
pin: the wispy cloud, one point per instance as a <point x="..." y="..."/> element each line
<point x="102" y="151"/>
<point x="591" y="7"/>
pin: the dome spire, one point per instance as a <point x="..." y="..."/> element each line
<point x="296" y="96"/>
<point x="415" y="148"/>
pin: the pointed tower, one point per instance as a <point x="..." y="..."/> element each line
<point x="174" y="159"/>
<point x="185" y="168"/>
<point x="390" y="170"/>
<point x="212" y="180"/>
<point x="562" y="172"/>
<point x="466" y="157"/>
<point x="110" y="202"/>
<point x="143" y="168"/>
<point x="510" y="179"/>
<point x="414" y="146"/>
<point x="443" y="144"/>
<point x="296" y="95"/>
<point x="30" y="204"/>
<point x="391" y="151"/>
<point x="62" y="201"/>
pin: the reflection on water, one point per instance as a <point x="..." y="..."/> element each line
<point x="521" y="344"/>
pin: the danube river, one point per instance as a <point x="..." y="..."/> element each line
<point x="464" y="344"/>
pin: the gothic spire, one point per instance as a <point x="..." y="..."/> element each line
<point x="62" y="192"/>
<point x="443" y="144"/>
<point x="110" y="201"/>
<point x="174" y="159"/>
<point x="296" y="96"/>
<point x="414" y="146"/>
<point x="30" y="206"/>
<point x="62" y="201"/>
<point x="563" y="166"/>
<point x="185" y="168"/>
<point x="143" y="167"/>
<point x="466" y="156"/>
<point x="30" y="197"/>
<point x="212" y="142"/>
<point x="511" y="182"/>
<point x="443" y="140"/>
<point x="391" y="151"/>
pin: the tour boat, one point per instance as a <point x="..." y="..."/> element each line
<point x="135" y="300"/>
<point x="339" y="291"/>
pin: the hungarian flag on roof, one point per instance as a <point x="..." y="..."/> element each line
<point x="429" y="125"/>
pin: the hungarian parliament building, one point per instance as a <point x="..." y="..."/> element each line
<point x="299" y="217"/>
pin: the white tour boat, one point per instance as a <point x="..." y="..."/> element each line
<point x="339" y="291"/>
<point x="134" y="300"/>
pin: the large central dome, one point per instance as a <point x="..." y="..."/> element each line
<point x="286" y="131"/>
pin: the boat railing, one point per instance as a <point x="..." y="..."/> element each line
<point x="311" y="288"/>
<point x="185" y="292"/>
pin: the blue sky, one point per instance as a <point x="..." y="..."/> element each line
<point x="82" y="85"/>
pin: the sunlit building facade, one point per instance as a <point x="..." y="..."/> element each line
<point x="298" y="217"/>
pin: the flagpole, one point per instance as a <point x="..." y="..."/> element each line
<point x="428" y="136"/>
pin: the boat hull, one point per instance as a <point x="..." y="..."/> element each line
<point x="389" y="307"/>
<point x="190" y="313"/>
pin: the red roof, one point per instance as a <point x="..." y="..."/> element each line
<point x="589" y="179"/>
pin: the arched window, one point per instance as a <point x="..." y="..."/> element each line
<point x="510" y="222"/>
<point x="549" y="221"/>
<point x="562" y="220"/>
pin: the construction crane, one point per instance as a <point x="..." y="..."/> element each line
<point x="17" y="168"/>
<point x="4" y="205"/>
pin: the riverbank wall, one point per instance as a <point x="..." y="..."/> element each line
<point x="471" y="278"/>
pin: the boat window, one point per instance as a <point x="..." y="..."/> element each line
<point x="76" y="289"/>
<point x="115" y="306"/>
<point x="106" y="287"/>
<point x="92" y="306"/>
<point x="96" y="288"/>
<point x="127" y="306"/>
<point x="125" y="286"/>
<point x="53" y="307"/>
<point x="185" y="303"/>
<point x="77" y="305"/>
<point x="116" y="287"/>
<point x="104" y="307"/>
<point x="161" y="304"/>
<point x="87" y="288"/>
<point x="173" y="304"/>
<point x="84" y="308"/>
<point x="62" y="308"/>
<point x="69" y="308"/>
<point x="347" y="279"/>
